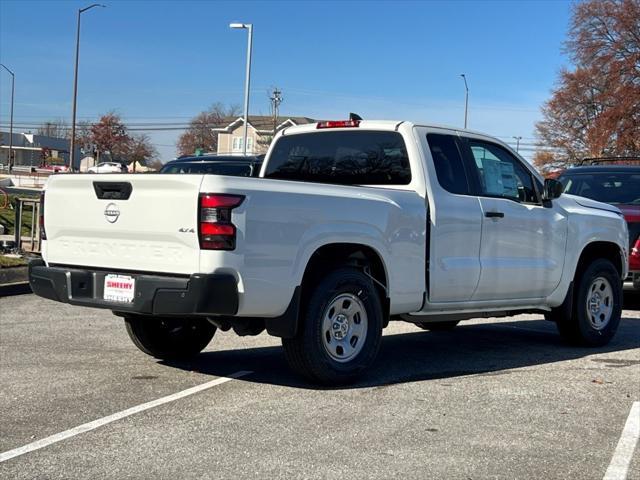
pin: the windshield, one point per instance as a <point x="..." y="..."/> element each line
<point x="613" y="188"/>
<point x="236" y="170"/>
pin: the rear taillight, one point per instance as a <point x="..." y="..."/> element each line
<point x="216" y="232"/>
<point x="338" y="124"/>
<point x="43" y="234"/>
<point x="634" y="256"/>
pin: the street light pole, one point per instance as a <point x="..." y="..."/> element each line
<point x="249" y="27"/>
<point x="13" y="84"/>
<point x="518" y="143"/>
<point x="466" y="98"/>
<point x="75" y="86"/>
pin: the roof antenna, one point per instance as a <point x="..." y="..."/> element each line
<point x="354" y="116"/>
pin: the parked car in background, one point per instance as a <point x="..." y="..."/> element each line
<point x="617" y="185"/>
<point x="233" y="165"/>
<point x="108" y="167"/>
<point x="53" y="168"/>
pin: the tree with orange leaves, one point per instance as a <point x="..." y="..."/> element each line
<point x="595" y="110"/>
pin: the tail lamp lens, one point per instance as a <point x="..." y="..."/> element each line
<point x="43" y="234"/>
<point x="216" y="232"/>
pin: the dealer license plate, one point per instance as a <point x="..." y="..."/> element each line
<point x="119" y="288"/>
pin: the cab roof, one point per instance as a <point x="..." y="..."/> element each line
<point x="379" y="125"/>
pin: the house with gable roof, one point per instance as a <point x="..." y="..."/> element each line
<point x="261" y="130"/>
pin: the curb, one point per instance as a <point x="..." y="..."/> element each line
<point x="19" y="288"/>
<point x="14" y="275"/>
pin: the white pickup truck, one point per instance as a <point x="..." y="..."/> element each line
<point x="350" y="224"/>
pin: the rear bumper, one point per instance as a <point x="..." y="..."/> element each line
<point x="199" y="294"/>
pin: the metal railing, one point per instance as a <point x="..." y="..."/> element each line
<point x="4" y="199"/>
<point x="30" y="242"/>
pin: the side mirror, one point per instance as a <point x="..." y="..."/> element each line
<point x="552" y="189"/>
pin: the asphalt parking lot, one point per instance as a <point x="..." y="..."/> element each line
<point x="494" y="399"/>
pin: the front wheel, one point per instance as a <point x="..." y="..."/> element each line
<point x="169" y="338"/>
<point x="340" y="333"/>
<point x="596" y="309"/>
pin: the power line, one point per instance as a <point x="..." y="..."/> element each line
<point x="159" y="126"/>
<point x="130" y="127"/>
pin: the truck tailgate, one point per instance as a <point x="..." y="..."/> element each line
<point x="89" y="222"/>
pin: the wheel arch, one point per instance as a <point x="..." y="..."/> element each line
<point x="601" y="249"/>
<point x="323" y="260"/>
<point x="330" y="256"/>
<point x="592" y="251"/>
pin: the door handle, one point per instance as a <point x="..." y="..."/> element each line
<point x="494" y="214"/>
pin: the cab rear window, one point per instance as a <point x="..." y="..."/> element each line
<point x="341" y="157"/>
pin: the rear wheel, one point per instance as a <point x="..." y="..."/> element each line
<point x="596" y="309"/>
<point x="340" y="334"/>
<point x="169" y="338"/>
<point x="438" y="326"/>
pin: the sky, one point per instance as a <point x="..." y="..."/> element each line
<point x="165" y="61"/>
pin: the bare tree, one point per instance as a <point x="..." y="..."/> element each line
<point x="154" y="164"/>
<point x="57" y="128"/>
<point x="200" y="135"/>
<point x="141" y="151"/>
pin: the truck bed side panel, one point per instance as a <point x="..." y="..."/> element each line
<point x="282" y="223"/>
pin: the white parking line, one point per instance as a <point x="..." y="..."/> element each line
<point x="86" y="427"/>
<point x="621" y="460"/>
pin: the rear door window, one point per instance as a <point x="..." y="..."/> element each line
<point x="448" y="163"/>
<point x="341" y="157"/>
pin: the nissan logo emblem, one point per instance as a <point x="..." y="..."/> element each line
<point x="112" y="213"/>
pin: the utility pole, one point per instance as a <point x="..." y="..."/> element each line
<point x="13" y="84"/>
<point x="276" y="100"/>
<point x="518" y="143"/>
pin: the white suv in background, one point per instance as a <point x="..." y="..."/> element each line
<point x="108" y="167"/>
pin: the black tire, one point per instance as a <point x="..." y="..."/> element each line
<point x="169" y="338"/>
<point x="578" y="327"/>
<point x="438" y="326"/>
<point x="307" y="354"/>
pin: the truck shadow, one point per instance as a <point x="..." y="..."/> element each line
<point x="481" y="349"/>
<point x="631" y="300"/>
